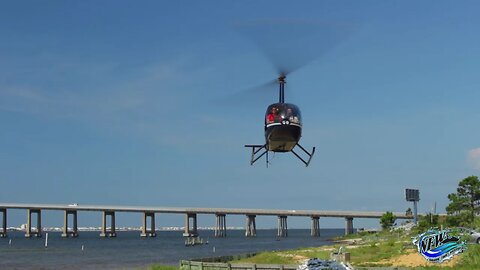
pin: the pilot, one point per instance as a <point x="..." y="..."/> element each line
<point x="272" y="116"/>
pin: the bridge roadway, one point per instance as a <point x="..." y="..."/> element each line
<point x="190" y="215"/>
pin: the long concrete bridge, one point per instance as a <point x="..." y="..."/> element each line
<point x="148" y="230"/>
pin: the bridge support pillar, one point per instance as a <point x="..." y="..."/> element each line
<point x="348" y="225"/>
<point x="3" y="232"/>
<point x="38" y="232"/>
<point x="282" y="226"/>
<point x="190" y="232"/>
<point x="74" y="231"/>
<point x="108" y="231"/>
<point x="315" y="230"/>
<point x="251" y="227"/>
<point x="148" y="232"/>
<point x="220" y="226"/>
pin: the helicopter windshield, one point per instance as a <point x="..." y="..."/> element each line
<point x="279" y="112"/>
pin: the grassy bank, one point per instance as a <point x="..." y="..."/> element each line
<point x="372" y="250"/>
<point x="363" y="249"/>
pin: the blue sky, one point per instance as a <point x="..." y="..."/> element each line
<point x="116" y="102"/>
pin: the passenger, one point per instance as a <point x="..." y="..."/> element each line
<point x="291" y="117"/>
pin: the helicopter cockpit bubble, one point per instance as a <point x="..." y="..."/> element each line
<point x="283" y="113"/>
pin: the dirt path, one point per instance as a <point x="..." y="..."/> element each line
<point x="414" y="259"/>
<point x="298" y="258"/>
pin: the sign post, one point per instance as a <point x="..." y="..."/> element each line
<point x="413" y="195"/>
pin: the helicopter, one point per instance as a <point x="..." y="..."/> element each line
<point x="283" y="129"/>
<point x="306" y="41"/>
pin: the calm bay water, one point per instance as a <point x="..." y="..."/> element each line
<point x="129" y="251"/>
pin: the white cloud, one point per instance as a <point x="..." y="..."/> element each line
<point x="474" y="158"/>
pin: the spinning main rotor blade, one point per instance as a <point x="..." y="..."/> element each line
<point x="290" y="45"/>
<point x="256" y="96"/>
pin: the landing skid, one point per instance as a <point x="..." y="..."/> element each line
<point x="310" y="155"/>
<point x="259" y="151"/>
<point x="255" y="149"/>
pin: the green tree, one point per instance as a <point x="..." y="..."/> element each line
<point x="387" y="220"/>
<point x="461" y="219"/>
<point x="428" y="221"/>
<point x="464" y="203"/>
